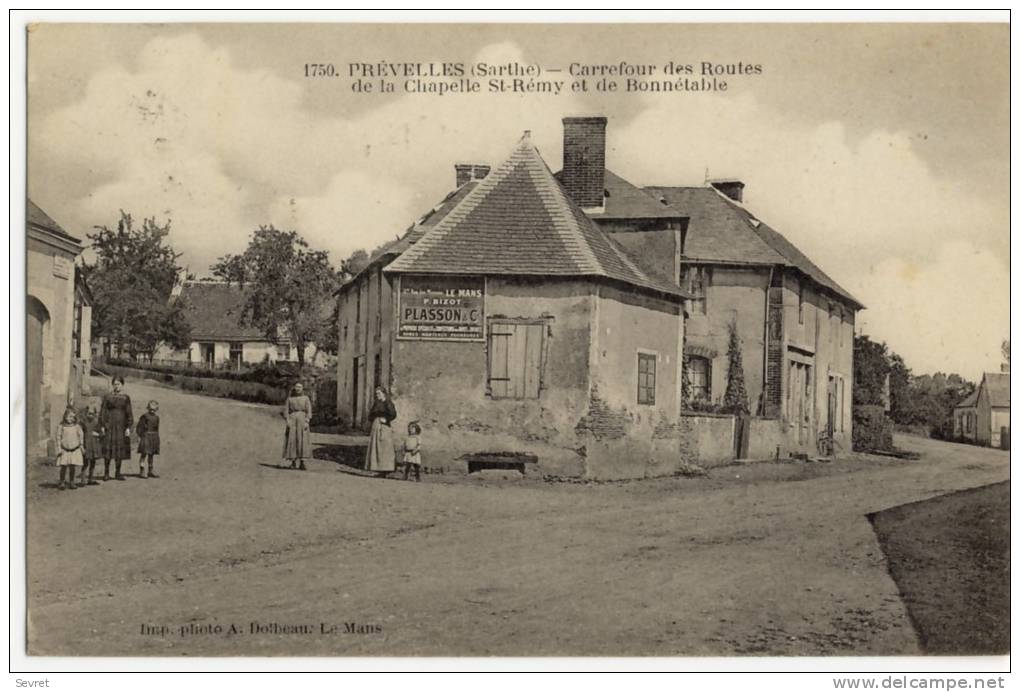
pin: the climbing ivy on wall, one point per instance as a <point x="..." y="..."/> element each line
<point x="735" y="400"/>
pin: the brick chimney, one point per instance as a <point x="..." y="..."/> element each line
<point x="734" y="189"/>
<point x="584" y="160"/>
<point x="467" y="172"/>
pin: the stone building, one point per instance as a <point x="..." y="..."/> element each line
<point x="58" y="324"/>
<point x="510" y="324"/>
<point x="795" y="323"/>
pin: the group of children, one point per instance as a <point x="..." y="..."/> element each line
<point x="83" y="439"/>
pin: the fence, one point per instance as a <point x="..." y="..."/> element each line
<point x="221" y="366"/>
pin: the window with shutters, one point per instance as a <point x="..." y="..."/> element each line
<point x="516" y="358"/>
<point x="646" y="379"/>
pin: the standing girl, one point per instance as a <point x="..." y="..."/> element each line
<point x="381" y="455"/>
<point x="412" y="451"/>
<point x="148" y="439"/>
<point x="71" y="440"/>
<point x="93" y="448"/>
<point x="116" y="420"/>
<point x="297" y="411"/>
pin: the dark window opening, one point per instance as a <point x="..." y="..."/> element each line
<point x="700" y="378"/>
<point x="646" y="379"/>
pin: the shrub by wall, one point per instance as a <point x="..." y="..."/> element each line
<point x="873" y="431"/>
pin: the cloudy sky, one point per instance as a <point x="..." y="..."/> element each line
<point x="882" y="151"/>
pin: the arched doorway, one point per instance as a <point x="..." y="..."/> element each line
<point x="38" y="324"/>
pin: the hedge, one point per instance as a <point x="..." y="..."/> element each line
<point x="873" y="431"/>
<point x="272" y="374"/>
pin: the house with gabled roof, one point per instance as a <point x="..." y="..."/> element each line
<point x="220" y="338"/>
<point x="795" y="323"/>
<point x="992" y="408"/>
<point x="511" y="325"/>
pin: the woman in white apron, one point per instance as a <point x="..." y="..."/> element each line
<point x="381" y="456"/>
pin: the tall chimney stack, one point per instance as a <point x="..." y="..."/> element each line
<point x="584" y="160"/>
<point x="734" y="189"/>
<point x="466" y="172"/>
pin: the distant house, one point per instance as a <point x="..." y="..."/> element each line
<point x="58" y="326"/>
<point x="965" y="418"/>
<point x="992" y="410"/>
<point x="218" y="338"/>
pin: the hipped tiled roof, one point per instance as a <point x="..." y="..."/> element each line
<point x="624" y="200"/>
<point x="419" y="227"/>
<point x="520" y="221"/>
<point x="722" y="230"/>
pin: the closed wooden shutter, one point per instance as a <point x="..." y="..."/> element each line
<point x="515" y="360"/>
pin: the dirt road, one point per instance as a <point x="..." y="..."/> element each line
<point x="754" y="559"/>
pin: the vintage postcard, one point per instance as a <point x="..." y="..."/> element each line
<point x="603" y="340"/>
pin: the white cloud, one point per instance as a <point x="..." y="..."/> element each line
<point x="870" y="213"/>
<point x="222" y="148"/>
<point x="941" y="315"/>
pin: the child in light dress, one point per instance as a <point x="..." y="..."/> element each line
<point x="70" y="455"/>
<point x="412" y="451"/>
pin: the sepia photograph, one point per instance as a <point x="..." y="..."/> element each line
<point x="574" y="339"/>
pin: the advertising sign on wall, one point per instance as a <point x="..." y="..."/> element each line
<point x="448" y="308"/>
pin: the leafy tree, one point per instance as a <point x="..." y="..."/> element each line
<point x="131" y="282"/>
<point x="288" y="287"/>
<point x="357" y="261"/>
<point x="1005" y="353"/>
<point x="735" y="398"/>
<point x="871" y="368"/>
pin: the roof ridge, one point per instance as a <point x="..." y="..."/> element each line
<point x="564" y="214"/>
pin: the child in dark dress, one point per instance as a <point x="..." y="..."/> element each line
<point x="93" y="447"/>
<point x="148" y="439"/>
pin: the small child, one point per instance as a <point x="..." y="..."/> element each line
<point x="71" y="440"/>
<point x="93" y="445"/>
<point x="412" y="451"/>
<point x="148" y="439"/>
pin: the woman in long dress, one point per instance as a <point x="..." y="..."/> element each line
<point x="297" y="443"/>
<point x="116" y="420"/>
<point x="381" y="457"/>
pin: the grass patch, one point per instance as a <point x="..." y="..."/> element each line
<point x="949" y="557"/>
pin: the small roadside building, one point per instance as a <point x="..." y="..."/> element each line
<point x="57" y="330"/>
<point x="218" y="337"/>
<point x="514" y="325"/>
<point x="965" y="418"/>
<point x="992" y="423"/>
